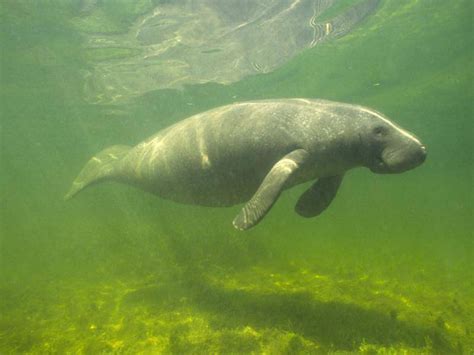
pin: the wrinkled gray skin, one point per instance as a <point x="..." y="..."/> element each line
<point x="251" y="151"/>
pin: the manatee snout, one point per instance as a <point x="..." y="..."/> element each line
<point x="403" y="157"/>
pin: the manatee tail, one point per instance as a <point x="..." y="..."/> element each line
<point x="100" y="167"/>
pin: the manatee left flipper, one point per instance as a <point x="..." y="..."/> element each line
<point x="269" y="190"/>
<point x="318" y="197"/>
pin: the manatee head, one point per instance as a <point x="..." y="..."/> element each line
<point x="388" y="148"/>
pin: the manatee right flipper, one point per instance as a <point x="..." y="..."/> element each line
<point x="318" y="197"/>
<point x="99" y="168"/>
<point x="269" y="190"/>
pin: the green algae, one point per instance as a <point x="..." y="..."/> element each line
<point x="259" y="310"/>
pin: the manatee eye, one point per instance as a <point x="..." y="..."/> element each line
<point x="380" y="131"/>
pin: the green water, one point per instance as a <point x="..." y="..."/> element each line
<point x="386" y="269"/>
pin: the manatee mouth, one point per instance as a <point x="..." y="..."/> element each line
<point x="386" y="162"/>
<point x="379" y="166"/>
<point x="380" y="163"/>
<point x="396" y="161"/>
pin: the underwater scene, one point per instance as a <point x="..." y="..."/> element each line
<point x="211" y="236"/>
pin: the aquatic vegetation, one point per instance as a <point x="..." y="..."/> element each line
<point x="261" y="309"/>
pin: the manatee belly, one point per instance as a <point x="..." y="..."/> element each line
<point x="224" y="178"/>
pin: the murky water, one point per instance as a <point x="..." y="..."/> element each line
<point x="388" y="267"/>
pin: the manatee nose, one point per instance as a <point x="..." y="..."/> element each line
<point x="423" y="153"/>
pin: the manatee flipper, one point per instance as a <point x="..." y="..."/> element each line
<point x="269" y="190"/>
<point x="99" y="168"/>
<point x="318" y="197"/>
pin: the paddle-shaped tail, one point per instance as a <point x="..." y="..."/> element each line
<point x="102" y="166"/>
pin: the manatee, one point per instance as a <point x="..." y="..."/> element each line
<point x="252" y="151"/>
